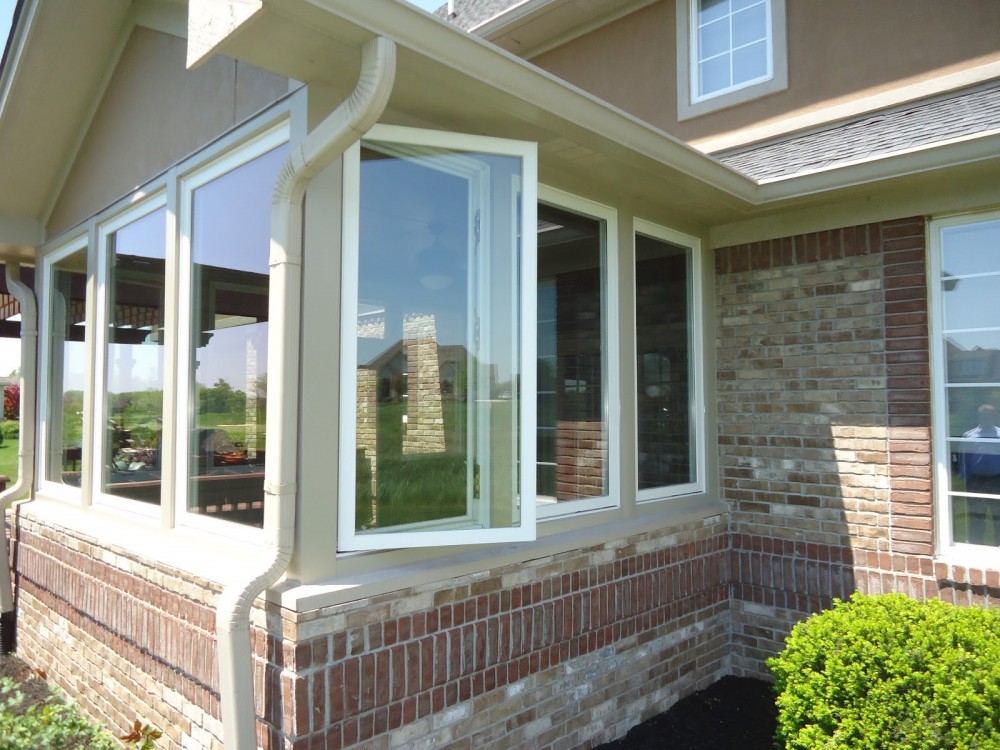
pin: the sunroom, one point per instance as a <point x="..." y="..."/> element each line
<point x="428" y="312"/>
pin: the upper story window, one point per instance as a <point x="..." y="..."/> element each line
<point x="965" y="283"/>
<point x="728" y="51"/>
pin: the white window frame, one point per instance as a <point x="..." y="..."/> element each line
<point x="696" y="387"/>
<point x="105" y="229"/>
<point x="431" y="535"/>
<point x="49" y="259"/>
<point x="189" y="182"/>
<point x="610" y="314"/>
<point x="690" y="103"/>
<point x="945" y="547"/>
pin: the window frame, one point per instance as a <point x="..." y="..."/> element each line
<point x="161" y="191"/>
<point x="434" y="534"/>
<point x="945" y="545"/>
<point x="105" y="229"/>
<point x="188" y="183"/>
<point x="611" y="316"/>
<point x="690" y="102"/>
<point x="696" y="342"/>
<point x="61" y="251"/>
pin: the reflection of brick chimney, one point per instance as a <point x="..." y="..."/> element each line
<point x="424" y="431"/>
<point x="367" y="423"/>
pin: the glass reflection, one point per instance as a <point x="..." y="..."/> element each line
<point x="663" y="345"/>
<point x="963" y="249"/>
<point x="572" y="359"/>
<point x="133" y="399"/>
<point x="437" y="349"/>
<point x="66" y="382"/>
<point x="230" y="245"/>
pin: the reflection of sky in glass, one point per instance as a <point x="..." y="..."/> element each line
<point x="232" y="230"/>
<point x="972" y="303"/>
<point x="414" y="248"/>
<point x="971" y="249"/>
<point x="137" y="367"/>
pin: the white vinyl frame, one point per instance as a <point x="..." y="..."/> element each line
<point x="46" y="359"/>
<point x="436" y="534"/>
<point x="105" y="229"/>
<point x="268" y="140"/>
<point x="692" y="104"/>
<point x="696" y="387"/>
<point x="945" y="547"/>
<point x="609" y="345"/>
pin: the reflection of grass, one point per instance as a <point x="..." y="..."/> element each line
<point x="8" y="459"/>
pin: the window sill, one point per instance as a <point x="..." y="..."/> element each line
<point x="132" y="538"/>
<point x="970" y="556"/>
<point x="469" y="560"/>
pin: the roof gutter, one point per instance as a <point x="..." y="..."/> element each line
<point x="26" y="447"/>
<point x="343" y="127"/>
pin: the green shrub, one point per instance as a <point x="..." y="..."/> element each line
<point x="47" y="725"/>
<point x="10" y="429"/>
<point x="890" y="672"/>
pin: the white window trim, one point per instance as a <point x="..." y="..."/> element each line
<point x="204" y="173"/>
<point x="58" y="489"/>
<point x="348" y="540"/>
<point x="695" y="357"/>
<point x="105" y="229"/>
<point x="610" y="314"/>
<point x="689" y="103"/>
<point x="972" y="555"/>
<point x="162" y="190"/>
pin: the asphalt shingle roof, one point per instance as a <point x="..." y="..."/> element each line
<point x="471" y="13"/>
<point x="883" y="133"/>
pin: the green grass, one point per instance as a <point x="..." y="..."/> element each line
<point x="8" y="459"/>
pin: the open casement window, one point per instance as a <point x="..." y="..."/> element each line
<point x="131" y="370"/>
<point x="965" y="267"/>
<point x="65" y="365"/>
<point x="576" y="380"/>
<point x="224" y="279"/>
<point x="435" y="426"/>
<point x="670" y="453"/>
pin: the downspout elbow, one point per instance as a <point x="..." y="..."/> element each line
<point x="26" y="446"/>
<point x="328" y="141"/>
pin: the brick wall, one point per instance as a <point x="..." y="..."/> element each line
<point x="824" y="428"/>
<point x="124" y="638"/>
<point x="566" y="651"/>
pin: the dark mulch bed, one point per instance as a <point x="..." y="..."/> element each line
<point x="735" y="712"/>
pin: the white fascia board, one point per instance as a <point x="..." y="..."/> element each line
<point x="211" y="22"/>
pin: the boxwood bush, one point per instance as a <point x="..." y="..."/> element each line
<point x="890" y="672"/>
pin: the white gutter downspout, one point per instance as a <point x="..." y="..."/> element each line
<point x="26" y="450"/>
<point x="343" y="127"/>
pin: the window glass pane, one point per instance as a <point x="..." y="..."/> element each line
<point x="437" y="340"/>
<point x="711" y="10"/>
<point x="963" y="406"/>
<point x="66" y="373"/>
<point x="971" y="303"/>
<point x="970" y="249"/>
<point x="713" y="39"/>
<point x="975" y="468"/>
<point x="663" y="367"/>
<point x="571" y="258"/>
<point x="749" y="63"/>
<point x="230" y="242"/>
<point x="714" y="74"/>
<point x="750" y="25"/>
<point x="973" y="357"/>
<point x="133" y="398"/>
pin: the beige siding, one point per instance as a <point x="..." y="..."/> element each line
<point x="153" y="113"/>
<point x="836" y="51"/>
